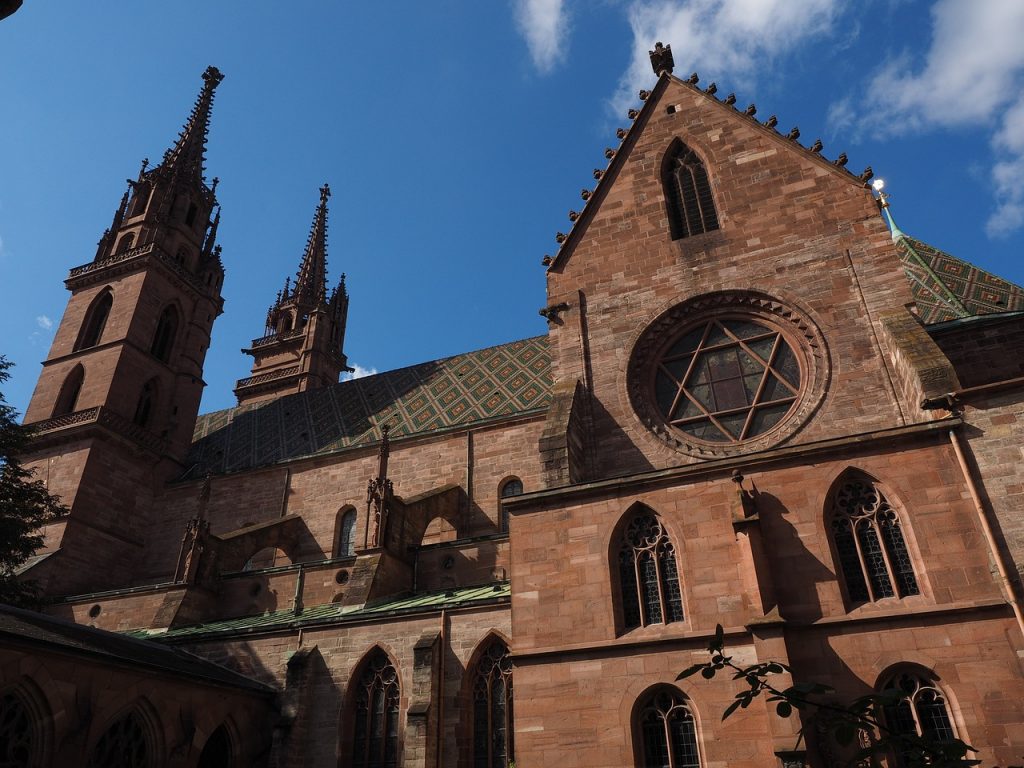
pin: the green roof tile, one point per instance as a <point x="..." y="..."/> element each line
<point x="331" y="613"/>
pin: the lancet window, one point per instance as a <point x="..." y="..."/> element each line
<point x="375" y="739"/>
<point x="666" y="731"/>
<point x="492" y="709"/>
<point x="147" y="403"/>
<point x="691" y="207"/>
<point x="346" y="542"/>
<point x="217" y="751"/>
<point x="648" y="575"/>
<point x="869" y="542"/>
<point x="95" y="321"/>
<point x="166" y="329"/>
<point x="511" y="487"/>
<point x="67" y="398"/>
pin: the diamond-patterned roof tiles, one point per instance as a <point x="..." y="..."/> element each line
<point x="948" y="288"/>
<point x="505" y="380"/>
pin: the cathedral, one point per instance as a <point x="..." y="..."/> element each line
<point x="759" y="404"/>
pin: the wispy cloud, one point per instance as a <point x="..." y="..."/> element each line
<point x="545" y="25"/>
<point x="729" y="38"/>
<point x="971" y="75"/>
<point x="44" y="322"/>
<point x="358" y="373"/>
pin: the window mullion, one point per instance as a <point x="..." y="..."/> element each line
<point x="639" y="589"/>
<point x="863" y="562"/>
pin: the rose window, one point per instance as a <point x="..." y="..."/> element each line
<point x="726" y="380"/>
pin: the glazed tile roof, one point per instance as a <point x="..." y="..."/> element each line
<point x="331" y="613"/>
<point x="40" y="631"/>
<point x="506" y="380"/>
<point x="947" y="288"/>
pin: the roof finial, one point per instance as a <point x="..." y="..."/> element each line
<point x="311" y="282"/>
<point x="187" y="156"/>
<point x="661" y="59"/>
<point x="878" y="185"/>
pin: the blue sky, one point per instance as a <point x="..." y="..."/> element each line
<point x="456" y="135"/>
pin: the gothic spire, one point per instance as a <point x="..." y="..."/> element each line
<point x="186" y="158"/>
<point x="311" y="282"/>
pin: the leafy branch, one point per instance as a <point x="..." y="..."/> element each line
<point x="861" y="720"/>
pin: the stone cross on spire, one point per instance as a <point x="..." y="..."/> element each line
<point x="311" y="282"/>
<point x="187" y="157"/>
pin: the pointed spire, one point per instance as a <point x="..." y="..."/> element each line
<point x="186" y="158"/>
<point x="311" y="283"/>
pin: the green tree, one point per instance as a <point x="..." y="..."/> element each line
<point x="844" y="722"/>
<point x="25" y="504"/>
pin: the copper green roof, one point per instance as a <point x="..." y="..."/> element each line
<point x="947" y="288"/>
<point x="506" y="380"/>
<point x="334" y="614"/>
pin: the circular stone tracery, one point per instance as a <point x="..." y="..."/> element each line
<point x="727" y="373"/>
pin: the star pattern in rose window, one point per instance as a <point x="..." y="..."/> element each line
<point x="727" y="380"/>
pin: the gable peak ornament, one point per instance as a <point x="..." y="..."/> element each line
<point x="661" y="59"/>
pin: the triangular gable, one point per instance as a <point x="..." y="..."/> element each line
<point x="605" y="178"/>
<point x="947" y="288"/>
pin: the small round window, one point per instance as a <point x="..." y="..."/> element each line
<point x="726" y="380"/>
<point x="728" y="373"/>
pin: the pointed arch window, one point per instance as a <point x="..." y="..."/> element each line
<point x="492" y="708"/>
<point x="921" y="711"/>
<point x="511" y="487"/>
<point x="20" y="742"/>
<point x="666" y="731"/>
<point x="124" y="745"/>
<point x="375" y="739"/>
<point x="869" y="542"/>
<point x="95" y="321"/>
<point x="691" y="206"/>
<point x="125" y="243"/>
<point x="147" y="404"/>
<point x="648" y="574"/>
<point x="166" y="330"/>
<point x="345" y="540"/>
<point x="67" y="398"/>
<point x="217" y="752"/>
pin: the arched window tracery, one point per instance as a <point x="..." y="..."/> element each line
<point x="922" y="710"/>
<point x="666" y="731"/>
<point x="375" y="727"/>
<point x="869" y="542"/>
<point x="19" y="735"/>
<point x="648" y="574"/>
<point x="493" y="745"/>
<point x="124" y="745"/>
<point x="691" y="206"/>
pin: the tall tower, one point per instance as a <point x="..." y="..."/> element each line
<point x="302" y="347"/>
<point x="117" y="399"/>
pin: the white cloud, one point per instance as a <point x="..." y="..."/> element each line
<point x="44" y="322"/>
<point x="545" y="25"/>
<point x="971" y="75"/>
<point x="728" y="38"/>
<point x="358" y="373"/>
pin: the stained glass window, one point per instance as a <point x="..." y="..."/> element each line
<point x="375" y="742"/>
<point x="667" y="732"/>
<point x="691" y="207"/>
<point x="648" y="575"/>
<point x="124" y="745"/>
<point x="873" y="555"/>
<point x="726" y="380"/>
<point x="492" y="709"/>
<point x="346" y="534"/>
